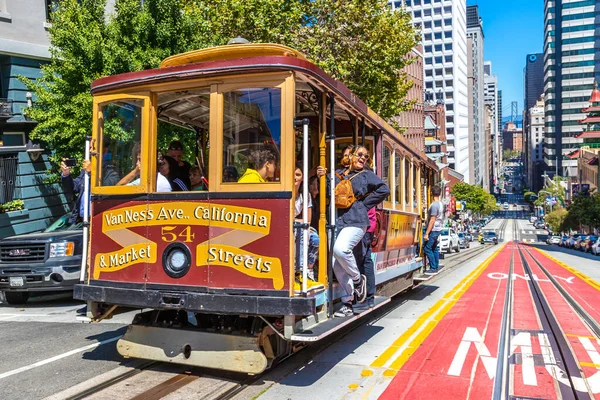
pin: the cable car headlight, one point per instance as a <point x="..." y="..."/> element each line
<point x="176" y="260"/>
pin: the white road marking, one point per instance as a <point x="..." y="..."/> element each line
<point x="56" y="358"/>
<point x="9" y="316"/>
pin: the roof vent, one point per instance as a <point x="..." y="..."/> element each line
<point x="238" y="40"/>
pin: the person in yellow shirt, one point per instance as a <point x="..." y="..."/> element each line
<point x="263" y="164"/>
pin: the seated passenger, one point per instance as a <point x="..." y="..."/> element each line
<point x="263" y="164"/>
<point x="197" y="180"/>
<point x="230" y="174"/>
<point x="133" y="179"/>
<point x="313" y="236"/>
<point x="170" y="169"/>
<point x="176" y="151"/>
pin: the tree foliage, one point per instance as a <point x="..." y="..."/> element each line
<point x="509" y="154"/>
<point x="553" y="190"/>
<point x="478" y="200"/>
<point x="555" y="219"/>
<point x="584" y="210"/>
<point x="359" y="42"/>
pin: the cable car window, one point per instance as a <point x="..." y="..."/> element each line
<point x="385" y="170"/>
<point x="407" y="195"/>
<point x="120" y="154"/>
<point x="399" y="183"/>
<point x="251" y="135"/>
<point x="182" y="135"/>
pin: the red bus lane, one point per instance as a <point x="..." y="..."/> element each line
<point x="530" y="378"/>
<point x="458" y="358"/>
<point x="585" y="294"/>
<point x="580" y="338"/>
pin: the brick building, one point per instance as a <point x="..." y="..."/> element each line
<point x="412" y="120"/>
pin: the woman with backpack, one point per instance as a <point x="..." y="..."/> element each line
<point x="358" y="189"/>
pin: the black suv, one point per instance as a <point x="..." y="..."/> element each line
<point x="37" y="262"/>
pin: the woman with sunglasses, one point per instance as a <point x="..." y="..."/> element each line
<point x="352" y="223"/>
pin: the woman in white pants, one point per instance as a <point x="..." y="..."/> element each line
<point x="351" y="225"/>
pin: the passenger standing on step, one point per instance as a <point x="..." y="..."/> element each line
<point x="435" y="224"/>
<point x="352" y="223"/>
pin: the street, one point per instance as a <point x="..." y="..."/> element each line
<point x="47" y="344"/>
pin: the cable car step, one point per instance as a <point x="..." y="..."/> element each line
<point x="423" y="278"/>
<point x="332" y="325"/>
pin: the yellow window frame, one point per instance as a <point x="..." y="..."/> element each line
<point x="283" y="81"/>
<point x="148" y="140"/>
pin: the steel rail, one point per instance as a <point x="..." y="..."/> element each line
<point x="593" y="325"/>
<point x="556" y="336"/>
<point x="502" y="379"/>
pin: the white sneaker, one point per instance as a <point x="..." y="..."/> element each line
<point x="345" y="311"/>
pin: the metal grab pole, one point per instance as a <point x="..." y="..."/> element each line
<point x="332" y="234"/>
<point x="86" y="211"/>
<point x="305" y="197"/>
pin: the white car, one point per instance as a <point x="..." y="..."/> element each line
<point x="554" y="239"/>
<point x="449" y="241"/>
<point x="505" y="206"/>
<point x="596" y="248"/>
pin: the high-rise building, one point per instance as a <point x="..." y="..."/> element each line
<point x="476" y="83"/>
<point x="533" y="83"/>
<point x="444" y="33"/>
<point x="535" y="135"/>
<point x="493" y="100"/>
<point x="571" y="39"/>
<point x="412" y="120"/>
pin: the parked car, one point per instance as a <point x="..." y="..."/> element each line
<point x="505" y="205"/>
<point x="553" y="239"/>
<point x="563" y="241"/>
<point x="586" y="244"/>
<point x="577" y="243"/>
<point x="469" y="236"/>
<point x="489" y="237"/>
<point x="571" y="240"/>
<point x="463" y="241"/>
<point x="596" y="248"/>
<point x="38" y="262"/>
<point x="449" y="241"/>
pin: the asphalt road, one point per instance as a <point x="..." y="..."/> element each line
<point x="45" y="350"/>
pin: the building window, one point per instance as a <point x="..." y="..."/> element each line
<point x="8" y="177"/>
<point x="429" y="85"/>
<point x="437" y="35"/>
<point x="438" y="47"/>
<point x="417" y="13"/>
<point x="51" y="7"/>
<point x="438" y="72"/>
<point x="450" y="107"/>
<point x="438" y="60"/>
<point x="428" y="61"/>
<point x="448" y="9"/>
<point x="427" y="24"/>
<point x="428" y="36"/>
<point x="429" y="72"/>
<point x="448" y="59"/>
<point x="447" y="34"/>
<point x="448" y="22"/>
<point x="437" y="23"/>
<point x="449" y="71"/>
<point x="427" y="12"/>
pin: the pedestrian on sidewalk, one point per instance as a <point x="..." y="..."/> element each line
<point x="435" y="225"/>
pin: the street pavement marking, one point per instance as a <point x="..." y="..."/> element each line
<point x="423" y="326"/>
<point x="584" y="277"/>
<point x="58" y="357"/>
<point x="587" y="364"/>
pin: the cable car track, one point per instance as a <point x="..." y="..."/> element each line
<point x="564" y="355"/>
<point x="234" y="384"/>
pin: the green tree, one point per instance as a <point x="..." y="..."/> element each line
<point x="556" y="219"/>
<point x="359" y="42"/>
<point x="478" y="200"/>
<point x="555" y="189"/>
<point x="584" y="210"/>
<point x="508" y="154"/>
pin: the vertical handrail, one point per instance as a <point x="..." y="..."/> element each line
<point x="305" y="226"/>
<point x="86" y="214"/>
<point x="305" y="197"/>
<point x="332" y="234"/>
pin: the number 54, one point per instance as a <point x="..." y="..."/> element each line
<point x="169" y="234"/>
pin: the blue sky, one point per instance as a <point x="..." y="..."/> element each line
<point x="512" y="29"/>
